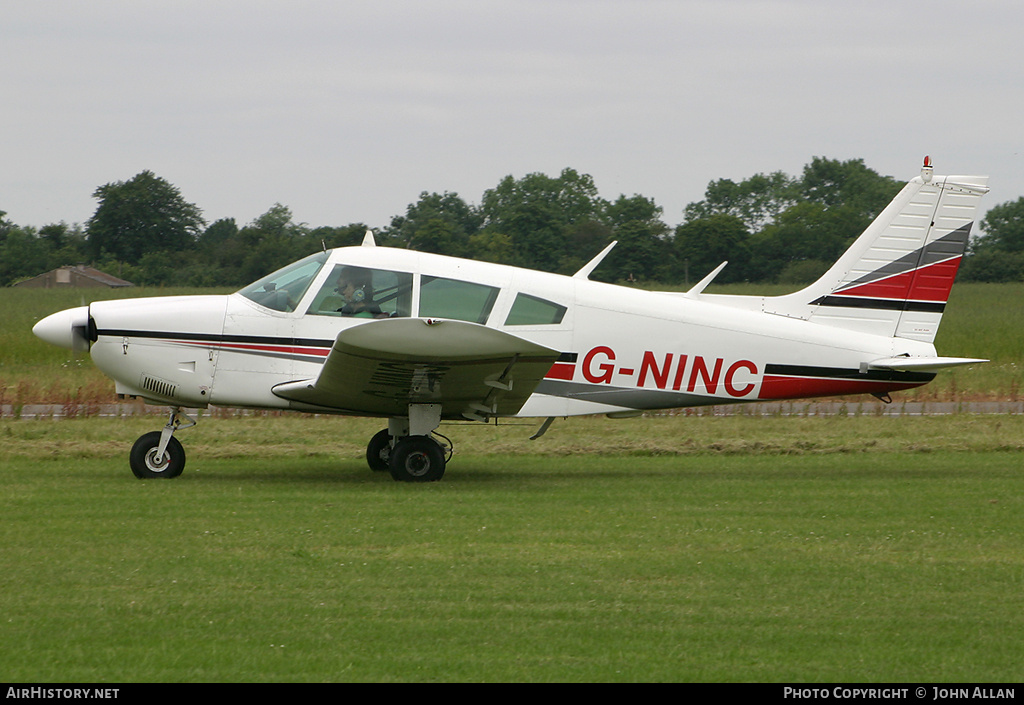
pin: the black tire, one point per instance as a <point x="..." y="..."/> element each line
<point x="141" y="457"/>
<point x="417" y="459"/>
<point x="378" y="452"/>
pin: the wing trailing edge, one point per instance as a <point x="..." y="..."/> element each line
<point x="381" y="367"/>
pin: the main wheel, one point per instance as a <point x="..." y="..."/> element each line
<point x="417" y="459"/>
<point x="143" y="457"/>
<point x="379" y="451"/>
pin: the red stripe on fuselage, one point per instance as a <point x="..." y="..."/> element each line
<point x="561" y="370"/>
<point x="255" y="348"/>
<point x="782" y="387"/>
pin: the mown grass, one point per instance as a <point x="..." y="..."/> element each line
<point x="981" y="320"/>
<point x="799" y="549"/>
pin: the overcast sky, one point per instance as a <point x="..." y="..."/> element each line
<point x="346" y="111"/>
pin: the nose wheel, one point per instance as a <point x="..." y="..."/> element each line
<point x="158" y="454"/>
<point x="148" y="462"/>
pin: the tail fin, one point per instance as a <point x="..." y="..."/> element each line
<point x="896" y="277"/>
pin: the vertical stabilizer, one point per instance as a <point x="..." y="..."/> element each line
<point x="896" y="277"/>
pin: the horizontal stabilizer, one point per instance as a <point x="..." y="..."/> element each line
<point x="921" y="364"/>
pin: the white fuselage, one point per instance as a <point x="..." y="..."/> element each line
<point x="623" y="349"/>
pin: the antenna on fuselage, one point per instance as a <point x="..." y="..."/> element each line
<point x="368" y="240"/>
<point x="699" y="286"/>
<point x="589" y="267"/>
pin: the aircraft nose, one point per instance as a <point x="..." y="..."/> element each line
<point x="68" y="328"/>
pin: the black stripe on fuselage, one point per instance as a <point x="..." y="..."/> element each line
<point x="215" y="337"/>
<point x="880" y="304"/>
<point x="847" y="373"/>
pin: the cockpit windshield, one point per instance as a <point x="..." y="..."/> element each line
<point x="282" y="290"/>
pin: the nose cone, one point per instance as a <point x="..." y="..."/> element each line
<point x="68" y="329"/>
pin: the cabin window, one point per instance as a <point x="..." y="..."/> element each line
<point x="533" y="311"/>
<point x="450" y="298"/>
<point x="361" y="292"/>
<point x="282" y="290"/>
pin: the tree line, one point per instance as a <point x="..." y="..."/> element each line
<point x="772" y="228"/>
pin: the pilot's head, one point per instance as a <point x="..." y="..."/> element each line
<point x="354" y="283"/>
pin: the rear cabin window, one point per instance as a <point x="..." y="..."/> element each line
<point x="361" y="292"/>
<point x="450" y="298"/>
<point x="533" y="311"/>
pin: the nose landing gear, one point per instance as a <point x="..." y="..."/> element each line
<point x="158" y="454"/>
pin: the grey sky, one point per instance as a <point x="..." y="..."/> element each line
<point x="346" y="111"/>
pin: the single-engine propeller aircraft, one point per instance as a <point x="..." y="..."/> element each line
<point x="418" y="338"/>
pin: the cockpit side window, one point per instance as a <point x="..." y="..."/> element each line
<point x="361" y="292"/>
<point x="282" y="290"/>
<point x="534" y="311"/>
<point x="459" y="300"/>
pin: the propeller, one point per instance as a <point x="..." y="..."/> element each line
<point x="83" y="333"/>
<point x="73" y="328"/>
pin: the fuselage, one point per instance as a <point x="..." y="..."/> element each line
<point x="623" y="349"/>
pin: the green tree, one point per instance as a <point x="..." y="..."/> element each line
<point x="806" y="232"/>
<point x="143" y="215"/>
<point x="442" y="223"/>
<point x="1003" y="226"/>
<point x="756" y="201"/>
<point x="269" y="242"/>
<point x="998" y="254"/>
<point x="218" y="235"/>
<point x="6" y="226"/>
<point x="22" y="254"/>
<point x="643" y="252"/>
<point x="850" y="185"/>
<point x="795" y="225"/>
<point x="490" y="246"/>
<point x="537" y="213"/>
<point x="702" y="245"/>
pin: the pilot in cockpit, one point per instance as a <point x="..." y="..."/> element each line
<point x="355" y="285"/>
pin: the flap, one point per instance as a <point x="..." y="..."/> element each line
<point x="380" y="367"/>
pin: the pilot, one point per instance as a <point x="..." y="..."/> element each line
<point x="356" y="286"/>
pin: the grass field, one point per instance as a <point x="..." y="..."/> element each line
<point x="815" y="549"/>
<point x="854" y="548"/>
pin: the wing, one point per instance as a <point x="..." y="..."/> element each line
<point x="381" y="367"/>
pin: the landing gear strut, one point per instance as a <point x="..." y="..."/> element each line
<point x="407" y="447"/>
<point x="159" y="453"/>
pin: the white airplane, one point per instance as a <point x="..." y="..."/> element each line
<point x="420" y="338"/>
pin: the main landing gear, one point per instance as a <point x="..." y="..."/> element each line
<point x="159" y="453"/>
<point x="409" y="449"/>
